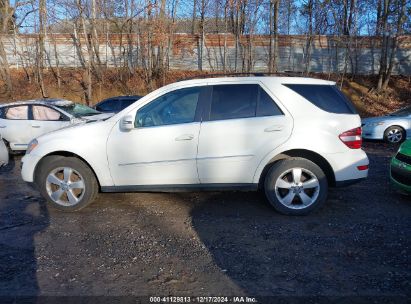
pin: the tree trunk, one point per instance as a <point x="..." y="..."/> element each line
<point x="41" y="47"/>
<point x="384" y="44"/>
<point x="394" y="44"/>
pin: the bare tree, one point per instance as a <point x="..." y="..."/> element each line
<point x="390" y="43"/>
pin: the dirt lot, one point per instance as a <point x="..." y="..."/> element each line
<point x="194" y="244"/>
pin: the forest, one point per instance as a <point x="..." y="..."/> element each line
<point x="144" y="36"/>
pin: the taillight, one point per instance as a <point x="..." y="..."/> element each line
<point x="352" y="138"/>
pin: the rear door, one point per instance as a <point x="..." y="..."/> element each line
<point x="15" y="126"/>
<point x="243" y="123"/>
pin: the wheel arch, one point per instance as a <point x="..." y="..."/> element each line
<point x="64" y="154"/>
<point x="398" y="126"/>
<point x="307" y="154"/>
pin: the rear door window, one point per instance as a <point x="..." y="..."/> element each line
<point x="327" y="97"/>
<point x="241" y="101"/>
<point x="45" y="113"/>
<point x="233" y="101"/>
<point x="266" y="105"/>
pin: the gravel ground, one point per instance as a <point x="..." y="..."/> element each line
<point x="192" y="244"/>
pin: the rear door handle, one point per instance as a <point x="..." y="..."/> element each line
<point x="273" y="128"/>
<point x="185" y="137"/>
<point x="2" y="127"/>
<point x="35" y="126"/>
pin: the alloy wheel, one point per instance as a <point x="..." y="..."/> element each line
<point x="394" y="135"/>
<point x="297" y="188"/>
<point x="65" y="186"/>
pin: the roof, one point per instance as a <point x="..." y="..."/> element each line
<point x="41" y="101"/>
<point x="124" y="97"/>
<point x="266" y="79"/>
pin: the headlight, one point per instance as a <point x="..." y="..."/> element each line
<point x="31" y="146"/>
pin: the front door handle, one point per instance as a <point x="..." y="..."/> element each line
<point x="185" y="137"/>
<point x="35" y="126"/>
<point x="2" y="127"/>
<point x="273" y="128"/>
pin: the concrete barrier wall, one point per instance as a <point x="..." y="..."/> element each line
<point x="325" y="55"/>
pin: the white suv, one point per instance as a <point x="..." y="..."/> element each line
<point x="291" y="137"/>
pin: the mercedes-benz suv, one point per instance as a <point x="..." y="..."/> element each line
<point x="291" y="137"/>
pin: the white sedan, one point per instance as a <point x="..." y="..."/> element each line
<point x="20" y="122"/>
<point x="4" y="154"/>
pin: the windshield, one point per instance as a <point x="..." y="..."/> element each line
<point x="79" y="110"/>
<point x="403" y="112"/>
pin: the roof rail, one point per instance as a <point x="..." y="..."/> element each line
<point x="239" y="74"/>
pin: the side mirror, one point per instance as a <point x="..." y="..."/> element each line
<point x="127" y="123"/>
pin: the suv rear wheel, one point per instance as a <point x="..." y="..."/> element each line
<point x="295" y="186"/>
<point x="67" y="183"/>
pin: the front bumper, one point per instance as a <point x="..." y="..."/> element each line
<point x="400" y="175"/>
<point x="4" y="154"/>
<point x="29" y="163"/>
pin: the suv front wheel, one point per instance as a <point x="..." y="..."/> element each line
<point x="67" y="183"/>
<point x="295" y="186"/>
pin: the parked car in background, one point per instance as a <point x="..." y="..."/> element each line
<point x="400" y="172"/>
<point x="4" y="153"/>
<point x="115" y="104"/>
<point x="22" y="121"/>
<point x="292" y="137"/>
<point x="393" y="128"/>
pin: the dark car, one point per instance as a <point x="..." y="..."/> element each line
<point x="116" y="104"/>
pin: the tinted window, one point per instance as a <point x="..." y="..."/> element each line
<point x="17" y="113"/>
<point x="126" y="102"/>
<point x="175" y="107"/>
<point x="403" y="112"/>
<point x="267" y="106"/>
<point x="326" y="97"/>
<point x="109" y="105"/>
<point x="45" y="113"/>
<point x="233" y="101"/>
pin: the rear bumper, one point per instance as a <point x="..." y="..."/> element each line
<point x="345" y="166"/>
<point x="349" y="182"/>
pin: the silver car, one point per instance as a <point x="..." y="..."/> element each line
<point x="393" y="128"/>
<point x="20" y="122"/>
<point x="4" y="154"/>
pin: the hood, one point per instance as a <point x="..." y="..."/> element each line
<point x="73" y="128"/>
<point x="98" y="116"/>
<point x="87" y="119"/>
<point x="405" y="148"/>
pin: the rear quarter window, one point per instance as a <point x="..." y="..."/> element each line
<point x="326" y="97"/>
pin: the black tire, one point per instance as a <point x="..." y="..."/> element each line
<point x="278" y="196"/>
<point x="394" y="135"/>
<point x="84" y="193"/>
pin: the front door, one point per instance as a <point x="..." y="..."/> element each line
<point x="162" y="148"/>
